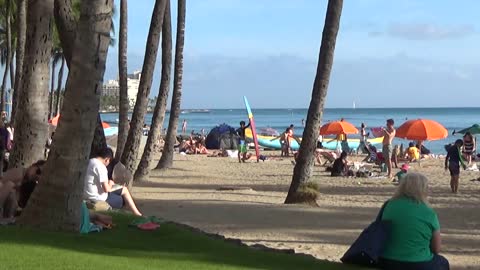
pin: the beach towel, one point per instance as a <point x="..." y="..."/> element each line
<point x="149" y="223"/>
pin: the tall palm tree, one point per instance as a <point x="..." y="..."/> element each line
<point x="122" y="70"/>
<point x="8" y="51"/>
<point x="21" y="23"/>
<point x="143" y="170"/>
<point x="166" y="160"/>
<point x="56" y="203"/>
<point x="31" y="130"/>
<point x="129" y="156"/>
<point x="305" y="159"/>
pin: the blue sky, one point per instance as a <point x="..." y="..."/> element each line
<point x="389" y="53"/>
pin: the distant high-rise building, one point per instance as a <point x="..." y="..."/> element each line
<point x="112" y="87"/>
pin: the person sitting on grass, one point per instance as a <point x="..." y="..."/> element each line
<point x="99" y="188"/>
<point x="414" y="240"/>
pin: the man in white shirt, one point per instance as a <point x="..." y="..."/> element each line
<point x="99" y="188"/>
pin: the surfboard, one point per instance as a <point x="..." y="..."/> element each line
<point x="252" y="127"/>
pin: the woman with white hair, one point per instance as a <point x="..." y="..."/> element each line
<point x="414" y="242"/>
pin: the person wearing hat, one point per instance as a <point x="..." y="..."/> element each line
<point x="401" y="174"/>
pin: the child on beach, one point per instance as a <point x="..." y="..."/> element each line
<point x="401" y="174"/>
<point x="242" y="146"/>
<point x="452" y="163"/>
<point x="413" y="153"/>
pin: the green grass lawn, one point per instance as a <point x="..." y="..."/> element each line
<point x="125" y="248"/>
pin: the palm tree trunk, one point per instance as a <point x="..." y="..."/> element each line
<point x="67" y="28"/>
<point x="59" y="88"/>
<point x="31" y="129"/>
<point x="143" y="171"/>
<point x="8" y="6"/>
<point x="129" y="156"/>
<point x="122" y="70"/>
<point x="20" y="53"/>
<point x="56" y="203"/>
<point x="52" y="92"/>
<point x="166" y="161"/>
<point x="305" y="159"/>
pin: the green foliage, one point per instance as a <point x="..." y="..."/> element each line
<point x="128" y="248"/>
<point x="109" y="103"/>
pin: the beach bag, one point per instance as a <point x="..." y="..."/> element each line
<point x="369" y="246"/>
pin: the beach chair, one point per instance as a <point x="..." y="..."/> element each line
<point x="328" y="156"/>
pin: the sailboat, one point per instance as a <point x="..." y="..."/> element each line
<point x="354" y="105"/>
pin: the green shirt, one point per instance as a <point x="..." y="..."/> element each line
<point x="413" y="225"/>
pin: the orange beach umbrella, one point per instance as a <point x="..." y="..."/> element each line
<point x="338" y="127"/>
<point x="421" y="129"/>
<point x="54" y="122"/>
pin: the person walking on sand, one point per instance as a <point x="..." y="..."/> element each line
<point x="452" y="163"/>
<point x="242" y="146"/>
<point x="184" y="127"/>
<point x="387" y="150"/>
<point x="363" y="138"/>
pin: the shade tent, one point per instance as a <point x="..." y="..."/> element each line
<point x="474" y="129"/>
<point x="222" y="137"/>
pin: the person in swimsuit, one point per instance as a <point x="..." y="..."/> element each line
<point x="242" y="146"/>
<point x="469" y="147"/>
<point x="387" y="150"/>
<point x="452" y="163"/>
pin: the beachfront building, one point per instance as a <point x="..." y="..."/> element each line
<point x="112" y="87"/>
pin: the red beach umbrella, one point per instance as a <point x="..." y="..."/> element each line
<point x="421" y="129"/>
<point x="338" y="127"/>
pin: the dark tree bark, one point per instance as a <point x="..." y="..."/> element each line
<point x="67" y="28"/>
<point x="20" y="53"/>
<point x="31" y="129"/>
<point x="124" y="104"/>
<point x="129" y="156"/>
<point x="305" y="159"/>
<point x="166" y="161"/>
<point x="59" y="87"/>
<point x="143" y="171"/>
<point x="56" y="202"/>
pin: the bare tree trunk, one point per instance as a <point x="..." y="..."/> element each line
<point x="52" y="92"/>
<point x="56" y="202"/>
<point x="67" y="28"/>
<point x="20" y="53"/>
<point x="166" y="161"/>
<point x="31" y="129"/>
<point x="122" y="70"/>
<point x="305" y="159"/>
<point x="129" y="156"/>
<point x="143" y="171"/>
<point x="8" y="6"/>
<point x="59" y="87"/>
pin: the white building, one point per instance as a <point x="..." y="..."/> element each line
<point x="112" y="87"/>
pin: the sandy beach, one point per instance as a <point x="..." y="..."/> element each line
<point x="197" y="192"/>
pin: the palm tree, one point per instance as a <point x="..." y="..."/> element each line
<point x="31" y="130"/>
<point x="56" y="203"/>
<point x="143" y="170"/>
<point x="300" y="191"/>
<point x="166" y="160"/>
<point x="8" y="51"/>
<point x="124" y="105"/>
<point x="21" y="22"/>
<point x="129" y="155"/>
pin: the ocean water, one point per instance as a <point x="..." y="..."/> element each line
<point x="279" y="119"/>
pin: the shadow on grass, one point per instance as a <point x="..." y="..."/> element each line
<point x="170" y="247"/>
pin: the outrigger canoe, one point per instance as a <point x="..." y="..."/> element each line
<point x="274" y="142"/>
